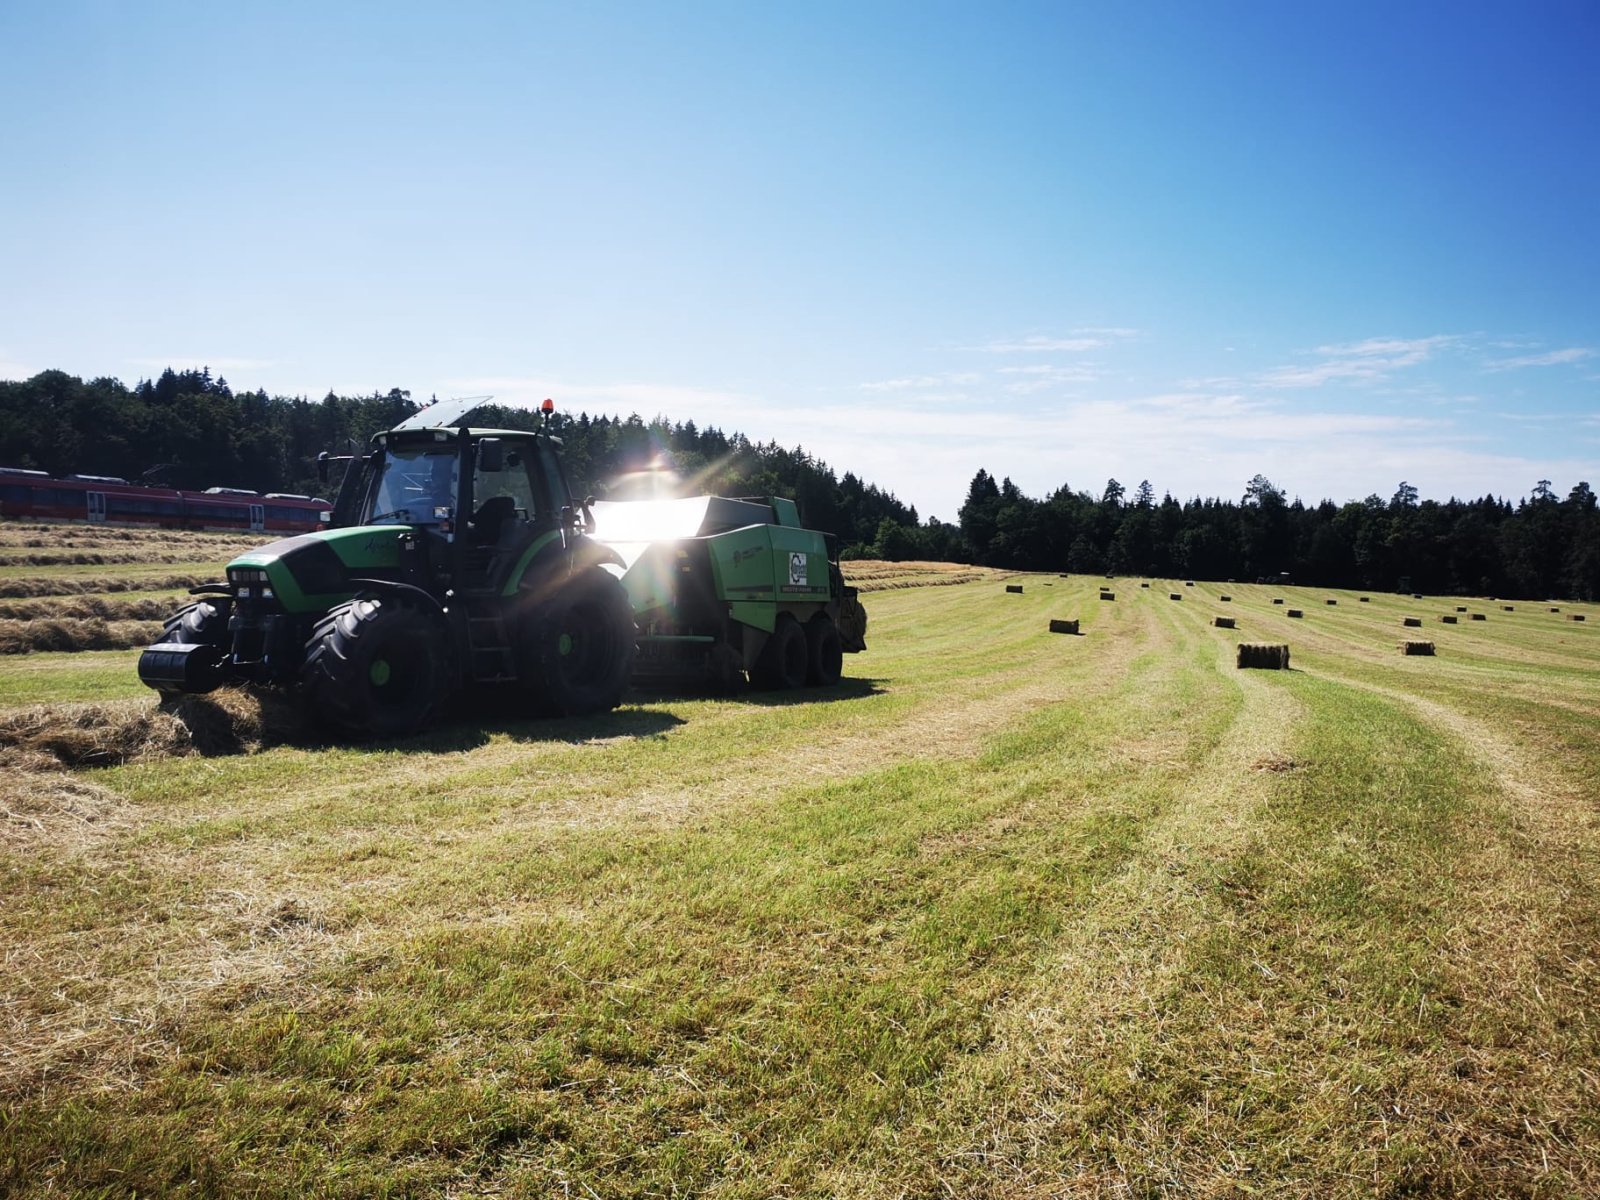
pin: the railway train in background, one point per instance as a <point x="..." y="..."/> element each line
<point x="106" y="500"/>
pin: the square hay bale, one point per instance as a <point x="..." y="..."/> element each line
<point x="1411" y="622"/>
<point x="1461" y="608"/>
<point x="1416" y="595"/>
<point x="1188" y="583"/>
<point x="1330" y="601"/>
<point x="1409" y="647"/>
<point x="1277" y="599"/>
<point x="1508" y="608"/>
<point x="1295" y="612"/>
<point x="1577" y="616"/>
<point x="1479" y="617"/>
<point x="1555" y="610"/>
<point x="1059" y="626"/>
<point x="1174" y="595"/>
<point x="1108" y="595"/>
<point x="1014" y="588"/>
<point x="1450" y="619"/>
<point x="1262" y="656"/>
<point x="1144" y="585"/>
<point x="1223" y="622"/>
<point x="1366" y="599"/>
<point x="1226" y="599"/>
<point x="1063" y="575"/>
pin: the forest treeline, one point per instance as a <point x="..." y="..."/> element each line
<point x="188" y="429"/>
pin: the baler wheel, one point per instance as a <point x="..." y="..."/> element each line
<point x="824" y="653"/>
<point x="376" y="667"/>
<point x="782" y="663"/>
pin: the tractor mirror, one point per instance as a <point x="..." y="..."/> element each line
<point x="491" y="455"/>
<point x="322" y="466"/>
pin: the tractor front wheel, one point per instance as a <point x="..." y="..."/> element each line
<point x="376" y="668"/>
<point x="203" y="623"/>
<point x="577" y="648"/>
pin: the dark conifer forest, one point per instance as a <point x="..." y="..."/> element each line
<point x="188" y="429"/>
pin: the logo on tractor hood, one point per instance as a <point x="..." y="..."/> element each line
<point x="797" y="568"/>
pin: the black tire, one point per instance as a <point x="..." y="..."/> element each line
<point x="203" y="623"/>
<point x="577" y="648"/>
<point x="824" y="652"/>
<point x="782" y="662"/>
<point x="376" y="668"/>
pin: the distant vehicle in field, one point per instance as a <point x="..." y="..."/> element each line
<point x="107" y="500"/>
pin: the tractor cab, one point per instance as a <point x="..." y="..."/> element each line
<point x="474" y="499"/>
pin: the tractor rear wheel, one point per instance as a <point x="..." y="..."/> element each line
<point x="577" y="648"/>
<point x="782" y="663"/>
<point x="376" y="668"/>
<point x="824" y="653"/>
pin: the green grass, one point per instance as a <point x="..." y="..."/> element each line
<point x="1007" y="913"/>
<point x="55" y="678"/>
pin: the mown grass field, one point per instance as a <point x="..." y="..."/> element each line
<point x="1004" y="914"/>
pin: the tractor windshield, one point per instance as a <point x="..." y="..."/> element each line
<point x="418" y="486"/>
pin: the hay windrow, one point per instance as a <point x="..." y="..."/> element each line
<point x="30" y="586"/>
<point x="227" y="721"/>
<point x="82" y="608"/>
<point x="73" y="634"/>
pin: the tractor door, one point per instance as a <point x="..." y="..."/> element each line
<point x="97" y="506"/>
<point x="258" y="518"/>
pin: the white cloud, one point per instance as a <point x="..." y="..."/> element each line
<point x="1075" y="341"/>
<point x="1364" y="361"/>
<point x="920" y="382"/>
<point x="1552" y="358"/>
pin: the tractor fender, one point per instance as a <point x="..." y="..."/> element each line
<point x="400" y="591"/>
<point x="548" y="562"/>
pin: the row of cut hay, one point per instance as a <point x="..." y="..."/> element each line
<point x="72" y="634"/>
<point x="871" y="568"/>
<point x="106" y="558"/>
<point x="82" y="608"/>
<point x="227" y="721"/>
<point x="13" y="534"/>
<point x="32" y="586"/>
<point x="902" y="582"/>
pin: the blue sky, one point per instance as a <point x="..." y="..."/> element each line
<point x="1341" y="244"/>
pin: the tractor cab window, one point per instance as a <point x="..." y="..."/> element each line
<point x="505" y="495"/>
<point x="514" y="482"/>
<point x="418" y="487"/>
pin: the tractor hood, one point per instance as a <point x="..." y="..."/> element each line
<point x="313" y="571"/>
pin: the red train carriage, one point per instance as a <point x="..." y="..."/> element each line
<point x="102" y="499"/>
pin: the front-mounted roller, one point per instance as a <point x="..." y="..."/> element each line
<point x="456" y="559"/>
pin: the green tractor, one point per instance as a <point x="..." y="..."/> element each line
<point x="456" y="558"/>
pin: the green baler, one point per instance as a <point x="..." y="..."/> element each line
<point x="724" y="587"/>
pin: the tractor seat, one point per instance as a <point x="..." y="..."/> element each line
<point x="492" y="514"/>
